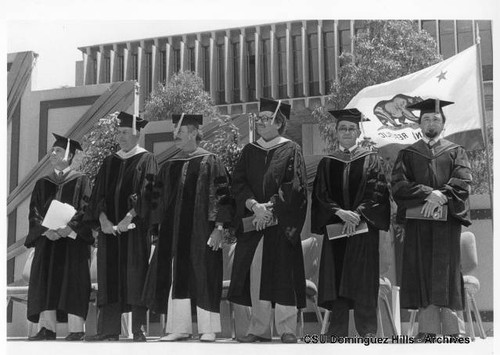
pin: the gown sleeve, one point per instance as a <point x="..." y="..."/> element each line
<point x="82" y="229"/>
<point x="240" y="188"/>
<point x="35" y="216"/>
<point x="221" y="204"/>
<point x="457" y="189"/>
<point x="290" y="204"/>
<point x="323" y="207"/>
<point x="375" y="206"/>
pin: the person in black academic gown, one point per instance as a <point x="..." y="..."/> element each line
<point x="118" y="208"/>
<point x="269" y="181"/>
<point x="193" y="207"/>
<point x="430" y="174"/>
<point x="350" y="188"/>
<point x="59" y="284"/>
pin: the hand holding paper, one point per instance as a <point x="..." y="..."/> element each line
<point x="58" y="215"/>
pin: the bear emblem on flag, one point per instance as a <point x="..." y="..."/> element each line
<point x="393" y="112"/>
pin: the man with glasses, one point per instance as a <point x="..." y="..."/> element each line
<point x="350" y="204"/>
<point x="269" y="186"/>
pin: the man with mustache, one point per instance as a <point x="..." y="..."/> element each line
<point x="429" y="176"/>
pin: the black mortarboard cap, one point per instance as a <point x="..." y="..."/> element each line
<point x="188" y="119"/>
<point x="126" y="120"/>
<point x="429" y="105"/>
<point x="349" y="114"/>
<point x="272" y="105"/>
<point x="63" y="143"/>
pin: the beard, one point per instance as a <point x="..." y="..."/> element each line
<point x="431" y="134"/>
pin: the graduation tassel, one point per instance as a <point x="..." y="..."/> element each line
<point x="134" y="121"/>
<point x="276" y="111"/>
<point x="179" y="124"/>
<point x="66" y="153"/>
<point x="437" y="106"/>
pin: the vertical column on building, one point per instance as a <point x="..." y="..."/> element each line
<point x="258" y="64"/>
<point x="243" y="67"/>
<point x="289" y="60"/>
<point x="305" y="60"/>
<point x="127" y="62"/>
<point x="321" y="59"/>
<point x="213" y="66"/>
<point x="169" y="65"/>
<point x="88" y="64"/>
<point x="183" y="49"/>
<point x="455" y="37"/>
<point x="142" y="73"/>
<point x="197" y="56"/>
<point x="113" y="64"/>
<point x="336" y="49"/>
<point x="438" y="37"/>
<point x="228" y="68"/>
<point x="274" y="63"/>
<point x="100" y="65"/>
<point x="155" y="63"/>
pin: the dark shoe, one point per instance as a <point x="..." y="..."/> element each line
<point x="139" y="337"/>
<point x="250" y="338"/>
<point x="43" y="334"/>
<point x="75" y="336"/>
<point x="102" y="337"/>
<point x="288" y="338"/>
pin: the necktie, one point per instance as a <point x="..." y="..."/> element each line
<point x="347" y="151"/>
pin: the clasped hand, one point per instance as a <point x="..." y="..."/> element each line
<point x="351" y="219"/>
<point x="435" y="200"/>
<point x="216" y="239"/>
<point x="263" y="215"/>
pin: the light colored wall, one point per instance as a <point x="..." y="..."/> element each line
<point x="61" y="120"/>
<point x="30" y="119"/>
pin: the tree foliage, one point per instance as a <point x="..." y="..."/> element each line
<point x="183" y="93"/>
<point x="481" y="163"/>
<point x="99" y="143"/>
<point x="225" y="143"/>
<point x="383" y="51"/>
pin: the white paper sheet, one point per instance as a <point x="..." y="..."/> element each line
<point x="58" y="215"/>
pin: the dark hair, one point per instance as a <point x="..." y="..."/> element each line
<point x="280" y="118"/>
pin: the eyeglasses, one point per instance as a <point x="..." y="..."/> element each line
<point x="263" y="118"/>
<point x="345" y="130"/>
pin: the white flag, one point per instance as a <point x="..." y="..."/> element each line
<point x="456" y="79"/>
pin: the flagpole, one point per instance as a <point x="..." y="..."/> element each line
<point x="483" y="111"/>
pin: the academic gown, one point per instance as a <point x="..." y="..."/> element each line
<point x="60" y="276"/>
<point x="431" y="252"/>
<point x="192" y="194"/>
<point x="122" y="260"/>
<point x="276" y="174"/>
<point x="349" y="267"/>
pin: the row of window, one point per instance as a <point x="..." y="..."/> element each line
<point x="452" y="37"/>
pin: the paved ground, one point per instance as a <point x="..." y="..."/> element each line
<point x="18" y="346"/>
